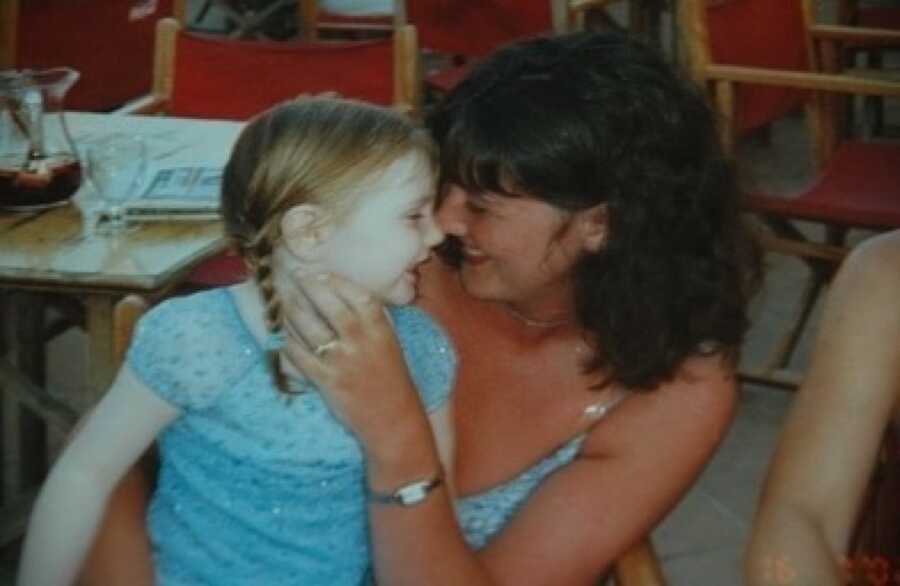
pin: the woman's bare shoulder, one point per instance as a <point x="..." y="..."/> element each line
<point x="692" y="410"/>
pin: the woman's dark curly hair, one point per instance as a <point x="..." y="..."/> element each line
<point x="589" y="119"/>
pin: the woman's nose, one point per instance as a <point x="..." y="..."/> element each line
<point x="434" y="235"/>
<point x="451" y="216"/>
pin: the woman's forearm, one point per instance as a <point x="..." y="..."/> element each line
<point x="422" y="543"/>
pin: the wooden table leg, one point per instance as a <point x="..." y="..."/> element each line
<point x="101" y="366"/>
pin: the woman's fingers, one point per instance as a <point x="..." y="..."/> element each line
<point x="357" y="299"/>
<point x="340" y="302"/>
<point x="303" y="358"/>
<point x="308" y="325"/>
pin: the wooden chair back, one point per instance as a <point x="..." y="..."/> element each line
<point x="202" y="75"/>
<point x="475" y="28"/>
<point x="313" y="21"/>
<point x="857" y="182"/>
<point x="577" y="15"/>
<point x="768" y="34"/>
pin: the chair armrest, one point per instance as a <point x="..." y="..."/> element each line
<point x="816" y="250"/>
<point x="836" y="83"/>
<point x="857" y="36"/>
<point x="639" y="566"/>
<point x="892" y="74"/>
<point x="149" y="104"/>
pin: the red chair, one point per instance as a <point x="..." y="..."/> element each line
<point x="759" y="58"/>
<point x="860" y="13"/>
<point x="109" y="41"/>
<point x="466" y="30"/>
<point x="878" y="16"/>
<point x="211" y="77"/>
<point x="314" y="21"/>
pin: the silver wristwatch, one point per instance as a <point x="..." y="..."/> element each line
<point x="410" y="494"/>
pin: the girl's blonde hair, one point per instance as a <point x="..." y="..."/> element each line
<point x="311" y="150"/>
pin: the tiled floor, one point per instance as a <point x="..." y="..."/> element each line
<point x="701" y="542"/>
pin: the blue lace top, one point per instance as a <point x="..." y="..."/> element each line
<point x="481" y="516"/>
<point x="255" y="488"/>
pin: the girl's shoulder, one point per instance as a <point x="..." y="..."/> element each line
<point x="188" y="348"/>
<point x="428" y="352"/>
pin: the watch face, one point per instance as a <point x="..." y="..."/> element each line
<point x="411" y="494"/>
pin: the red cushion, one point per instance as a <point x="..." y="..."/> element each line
<point x="224" y="269"/>
<point x="218" y="78"/>
<point x="860" y="188"/>
<point x="109" y="41"/>
<point x="477" y="27"/>
<point x="760" y="33"/>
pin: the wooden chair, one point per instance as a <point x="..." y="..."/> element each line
<point x="108" y="41"/>
<point x="197" y="75"/>
<point x="211" y="77"/>
<point x="879" y="16"/>
<point x="314" y="21"/>
<point x="643" y="17"/>
<point x="759" y="59"/>
<point x="274" y="20"/>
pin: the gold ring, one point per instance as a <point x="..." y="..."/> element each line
<point x="323" y="349"/>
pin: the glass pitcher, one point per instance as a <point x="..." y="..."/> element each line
<point x="39" y="165"/>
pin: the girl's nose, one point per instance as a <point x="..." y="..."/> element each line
<point x="451" y="216"/>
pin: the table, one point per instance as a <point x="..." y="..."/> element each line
<point x="52" y="252"/>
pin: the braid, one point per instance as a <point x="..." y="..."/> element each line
<point x="261" y="261"/>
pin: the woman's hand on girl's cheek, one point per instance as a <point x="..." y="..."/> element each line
<point x="339" y="336"/>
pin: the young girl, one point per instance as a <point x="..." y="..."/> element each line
<point x="259" y="483"/>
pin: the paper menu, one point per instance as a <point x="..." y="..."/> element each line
<point x="179" y="192"/>
<point x="184" y="184"/>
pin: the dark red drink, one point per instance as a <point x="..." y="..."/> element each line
<point x="44" y="182"/>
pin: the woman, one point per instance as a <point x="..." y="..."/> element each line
<point x="595" y="292"/>
<point x="818" y="476"/>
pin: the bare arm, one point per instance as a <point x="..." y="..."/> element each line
<point x="571" y="530"/>
<point x="71" y="503"/>
<point x="121" y="554"/>
<point x="651" y="449"/>
<point x="820" y="469"/>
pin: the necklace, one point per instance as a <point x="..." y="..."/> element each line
<point x="536" y="323"/>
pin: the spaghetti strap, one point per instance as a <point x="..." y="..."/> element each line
<point x="597" y="411"/>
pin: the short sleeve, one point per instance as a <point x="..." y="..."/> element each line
<point x="429" y="354"/>
<point x="189" y="349"/>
